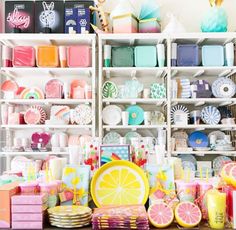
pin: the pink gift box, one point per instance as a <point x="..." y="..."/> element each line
<point x="79" y="56"/>
<point x="27" y="225"/>
<point x="27" y="217"/>
<point x="24" y="56"/>
<point x="29" y="199"/>
<point x="28" y="208"/>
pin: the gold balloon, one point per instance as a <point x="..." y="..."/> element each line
<point x="215" y="2"/>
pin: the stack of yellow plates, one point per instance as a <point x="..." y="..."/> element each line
<point x="70" y="216"/>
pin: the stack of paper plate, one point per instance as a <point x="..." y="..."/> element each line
<point x="70" y="216"/>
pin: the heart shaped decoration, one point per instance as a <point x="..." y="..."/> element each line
<point x="42" y="138"/>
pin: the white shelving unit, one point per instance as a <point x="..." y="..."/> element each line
<point x="120" y="74"/>
<point x="37" y="76"/>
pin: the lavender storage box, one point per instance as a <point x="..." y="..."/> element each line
<point x="213" y="55"/>
<point x="188" y="55"/>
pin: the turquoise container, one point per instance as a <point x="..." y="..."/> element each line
<point x="122" y="56"/>
<point x="145" y="56"/>
<point x="213" y="55"/>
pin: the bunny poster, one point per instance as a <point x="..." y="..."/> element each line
<point x="49" y="16"/>
<point x="19" y="16"/>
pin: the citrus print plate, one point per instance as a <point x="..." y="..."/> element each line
<point x="119" y="183"/>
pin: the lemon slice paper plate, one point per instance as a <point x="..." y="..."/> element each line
<point x="119" y="183"/>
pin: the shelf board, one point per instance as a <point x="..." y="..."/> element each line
<point x="202" y="153"/>
<point x="47" y="101"/>
<point x="133" y="127"/>
<point x="197" y="71"/>
<point x="32" y="153"/>
<point x="15" y="72"/>
<point x="202" y="127"/>
<point x="157" y="102"/>
<point x="202" y="101"/>
<point x="133" y="71"/>
<point x="46" y="39"/>
<point x="46" y="126"/>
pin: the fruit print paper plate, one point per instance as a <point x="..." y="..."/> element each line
<point x="136" y="115"/>
<point x="119" y="183"/>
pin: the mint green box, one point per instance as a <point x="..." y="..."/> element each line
<point x="145" y="56"/>
<point x="122" y="56"/>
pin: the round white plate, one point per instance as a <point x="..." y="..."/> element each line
<point x="223" y="88"/>
<point x="111" y="115"/>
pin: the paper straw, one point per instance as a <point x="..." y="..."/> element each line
<point x="201" y="173"/>
<point x="207" y="175"/>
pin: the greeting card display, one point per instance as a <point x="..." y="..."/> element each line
<point x="19" y="16"/>
<point x="49" y="16"/>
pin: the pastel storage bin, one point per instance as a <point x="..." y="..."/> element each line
<point x="145" y="56"/>
<point x="48" y="56"/>
<point x="122" y="56"/>
<point x="126" y="23"/>
<point x="188" y="55"/>
<point x="79" y="56"/>
<point x="213" y="55"/>
<point x="149" y="26"/>
<point x="24" y="56"/>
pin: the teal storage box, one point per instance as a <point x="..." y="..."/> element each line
<point x="145" y="56"/>
<point x="122" y="56"/>
<point x="213" y="55"/>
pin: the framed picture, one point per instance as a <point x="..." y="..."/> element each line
<point x="114" y="152"/>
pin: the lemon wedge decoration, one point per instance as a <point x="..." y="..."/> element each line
<point x="119" y="183"/>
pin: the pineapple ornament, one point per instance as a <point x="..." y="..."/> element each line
<point x="216" y="18"/>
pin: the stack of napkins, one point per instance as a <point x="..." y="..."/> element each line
<point x="120" y="217"/>
<point x="28" y="211"/>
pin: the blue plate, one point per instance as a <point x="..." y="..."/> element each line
<point x="136" y="115"/>
<point x="198" y="139"/>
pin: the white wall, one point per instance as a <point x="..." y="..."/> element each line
<point x="189" y="12"/>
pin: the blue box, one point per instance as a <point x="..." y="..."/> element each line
<point x="188" y="55"/>
<point x="145" y="56"/>
<point x="70" y="19"/>
<point x="83" y="20"/>
<point x="212" y="55"/>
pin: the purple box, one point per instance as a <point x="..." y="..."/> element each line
<point x="83" y="20"/>
<point x="188" y="55"/>
<point x="70" y="20"/>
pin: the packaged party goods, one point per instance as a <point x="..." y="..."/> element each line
<point x="50" y="189"/>
<point x="23" y="56"/>
<point x="122" y="56"/>
<point x="19" y="16"/>
<point x="145" y="56"/>
<point x="114" y="152"/>
<point x="6" y="192"/>
<point x="49" y="16"/>
<point x="75" y="185"/>
<point x="47" y="56"/>
<point x="78" y="16"/>
<point x="79" y="56"/>
<point x="161" y="180"/>
<point x="77" y="20"/>
<point x="216" y="205"/>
